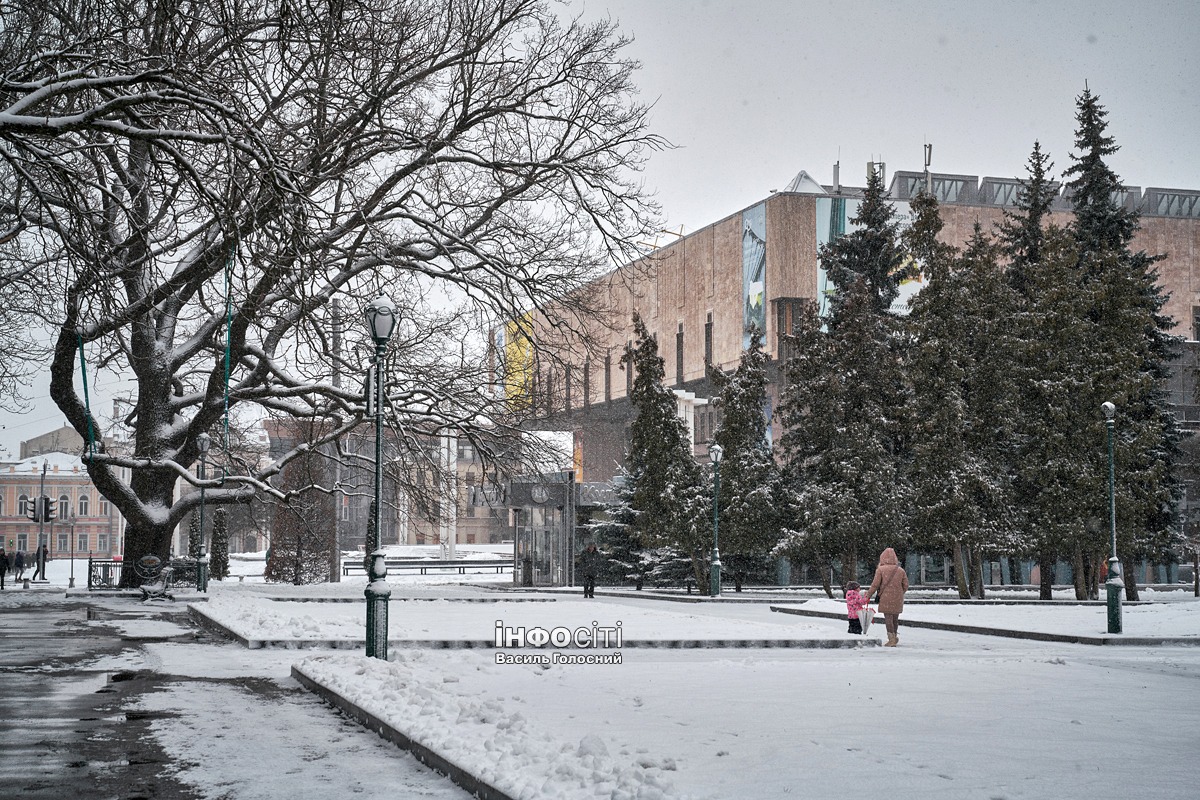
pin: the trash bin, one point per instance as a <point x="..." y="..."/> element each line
<point x="527" y="572"/>
<point x="25" y="582"/>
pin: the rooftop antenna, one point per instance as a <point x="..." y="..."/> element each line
<point x="837" y="181"/>
<point x="928" y="161"/>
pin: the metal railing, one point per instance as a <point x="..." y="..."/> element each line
<point x="105" y="573"/>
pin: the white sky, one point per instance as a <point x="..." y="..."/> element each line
<point x="753" y="91"/>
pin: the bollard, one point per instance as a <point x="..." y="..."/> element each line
<point x="25" y="582"/>
<point x="377" y="594"/>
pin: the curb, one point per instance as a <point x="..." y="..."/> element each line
<point x="1138" y="641"/>
<point x="208" y="622"/>
<point x="460" y="776"/>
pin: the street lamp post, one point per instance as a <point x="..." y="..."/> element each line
<point x="203" y="443"/>
<point x="1114" y="585"/>
<point x="71" y="521"/>
<point x="381" y="321"/>
<point x="715" y="452"/>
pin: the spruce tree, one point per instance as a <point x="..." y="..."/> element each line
<point x="808" y="533"/>
<point x="871" y="253"/>
<point x="668" y="501"/>
<point x="219" y="562"/>
<point x="1022" y="234"/>
<point x="962" y="403"/>
<point x="844" y="434"/>
<point x="1132" y="340"/>
<point x="749" y="500"/>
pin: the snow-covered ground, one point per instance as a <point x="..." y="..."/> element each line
<point x="945" y="715"/>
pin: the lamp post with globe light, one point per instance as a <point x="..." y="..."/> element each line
<point x="715" y="451"/>
<point x="1114" y="585"/>
<point x="381" y="321"/>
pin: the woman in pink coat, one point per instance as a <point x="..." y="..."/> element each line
<point x="891" y="582"/>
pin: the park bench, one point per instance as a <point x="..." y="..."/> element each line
<point x="424" y="565"/>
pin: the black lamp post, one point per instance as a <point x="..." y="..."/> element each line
<point x="715" y="451"/>
<point x="203" y="443"/>
<point x="1114" y="585"/>
<point x="381" y="321"/>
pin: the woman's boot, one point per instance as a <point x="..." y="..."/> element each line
<point x="892" y="640"/>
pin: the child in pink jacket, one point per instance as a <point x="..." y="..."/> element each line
<point x="856" y="601"/>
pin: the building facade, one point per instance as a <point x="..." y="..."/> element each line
<point x="85" y="523"/>
<point x="699" y="293"/>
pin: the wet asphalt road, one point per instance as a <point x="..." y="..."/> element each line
<point x="62" y="731"/>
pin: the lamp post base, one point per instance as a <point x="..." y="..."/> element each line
<point x="714" y="589"/>
<point x="1114" y="586"/>
<point x="377" y="593"/>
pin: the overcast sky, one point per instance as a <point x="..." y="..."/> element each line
<point x="753" y="91"/>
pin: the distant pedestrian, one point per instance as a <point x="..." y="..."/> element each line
<point x="19" y="566"/>
<point x="43" y="555"/>
<point x="891" y="582"/>
<point x="3" y="565"/>
<point x="856" y="601"/>
<point x="589" y="567"/>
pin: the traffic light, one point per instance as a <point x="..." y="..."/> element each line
<point x="35" y="510"/>
<point x="49" y="509"/>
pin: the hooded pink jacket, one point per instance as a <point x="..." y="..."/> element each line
<point x="891" y="582"/>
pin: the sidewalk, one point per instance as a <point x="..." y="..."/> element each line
<point x="723" y="722"/>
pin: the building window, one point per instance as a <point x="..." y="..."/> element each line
<point x="466" y="451"/>
<point x="83" y="505"/>
<point x="1" y="505"/>
<point x="628" y="366"/>
<point x="708" y="341"/>
<point x="104" y="508"/>
<point x="608" y="376"/>
<point x="587" y="382"/>
<point x="81" y="543"/>
<point x="345" y="511"/>
<point x="24" y="506"/>
<point x="102" y="542"/>
<point x="62" y="543"/>
<point x="64" y="506"/>
<point x="679" y="355"/>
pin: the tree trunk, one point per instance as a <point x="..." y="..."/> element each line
<point x="977" y="560"/>
<point x="155" y="488"/>
<point x="960" y="571"/>
<point x="1131" y="589"/>
<point x="849" y="567"/>
<point x="826" y="572"/>
<point x="1196" y="572"/>
<point x="700" y="571"/>
<point x="1078" y="578"/>
<point x="1097" y="568"/>
<point x="1046" y="579"/>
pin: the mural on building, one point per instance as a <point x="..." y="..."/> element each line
<point x="754" y="268"/>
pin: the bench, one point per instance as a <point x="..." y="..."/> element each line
<point x="424" y="565"/>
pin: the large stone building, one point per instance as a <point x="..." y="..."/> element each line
<point x="699" y="293"/>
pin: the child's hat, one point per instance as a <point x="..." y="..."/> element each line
<point x="852" y="586"/>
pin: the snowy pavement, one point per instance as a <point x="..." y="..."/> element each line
<point x="945" y="715"/>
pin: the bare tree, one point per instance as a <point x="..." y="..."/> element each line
<point x="475" y="159"/>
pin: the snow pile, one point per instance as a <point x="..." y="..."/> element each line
<point x="487" y="737"/>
